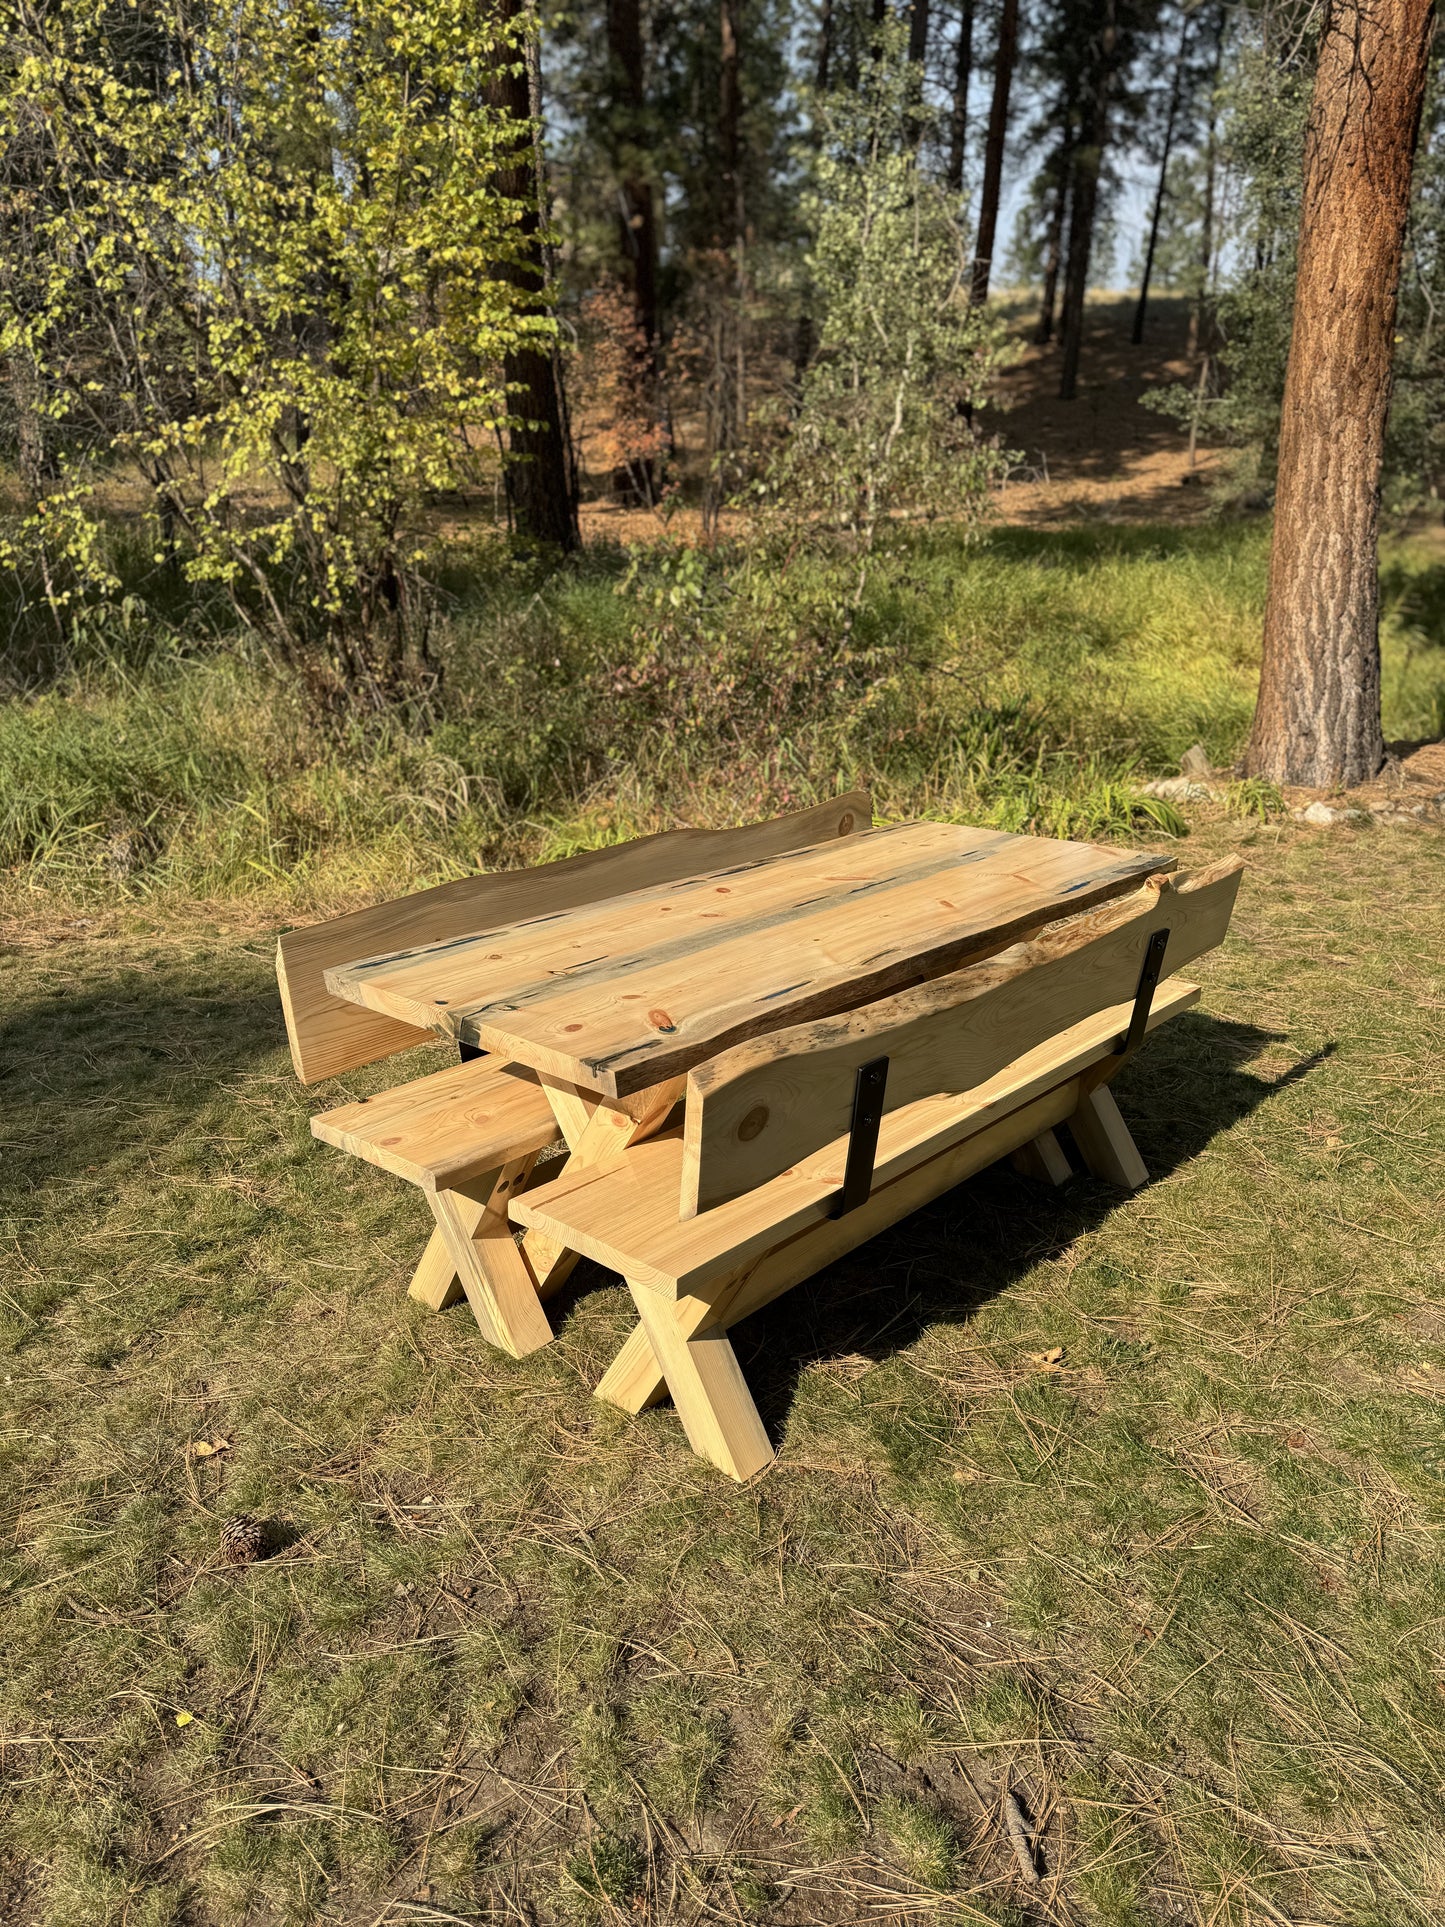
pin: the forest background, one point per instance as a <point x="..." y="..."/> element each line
<point x="328" y="333"/>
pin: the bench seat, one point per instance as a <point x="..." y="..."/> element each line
<point x="442" y="1131"/>
<point x="626" y="1217"/>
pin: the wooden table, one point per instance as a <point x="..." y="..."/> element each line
<point x="613" y="1003"/>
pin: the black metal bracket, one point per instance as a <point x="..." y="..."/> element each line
<point x="469" y="1052"/>
<point x="1133" y="1037"/>
<point x="868" y="1088"/>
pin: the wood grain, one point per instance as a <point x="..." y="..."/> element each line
<point x="440" y="1131"/>
<point x="635" y="1379"/>
<point x="612" y="1127"/>
<point x="707" y="1386"/>
<point x="627" y="1217"/>
<point x="494" y="1274"/>
<point x="621" y="995"/>
<point x="1104" y="1141"/>
<point x="329" y="1035"/>
<point x="758" y="1109"/>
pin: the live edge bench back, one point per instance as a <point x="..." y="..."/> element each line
<point x="757" y="1110"/>
<point x="329" y="1036"/>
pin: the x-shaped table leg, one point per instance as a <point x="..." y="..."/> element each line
<point x="598" y="1131"/>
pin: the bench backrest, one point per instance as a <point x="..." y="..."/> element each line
<point x="756" y="1110"/>
<point x="329" y="1036"/>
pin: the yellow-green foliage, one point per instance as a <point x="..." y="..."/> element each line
<point x="1031" y="681"/>
<point x="259" y="254"/>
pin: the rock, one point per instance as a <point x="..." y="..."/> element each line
<point x="1180" y="789"/>
<point x="1195" y="764"/>
<point x="1329" y="815"/>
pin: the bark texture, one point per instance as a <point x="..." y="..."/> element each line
<point x="958" y="117"/>
<point x="1003" y="73"/>
<point x="1318" y="717"/>
<point x="541" y="486"/>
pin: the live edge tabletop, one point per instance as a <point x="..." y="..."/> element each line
<point x="618" y="995"/>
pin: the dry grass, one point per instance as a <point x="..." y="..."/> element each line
<point x="1164" y="1621"/>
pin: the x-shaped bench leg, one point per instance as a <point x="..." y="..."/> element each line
<point x="681" y="1342"/>
<point x="687" y="1340"/>
<point x="435" y="1283"/>
<point x="477" y="1235"/>
<point x="597" y="1133"/>
<point x="1104" y="1141"/>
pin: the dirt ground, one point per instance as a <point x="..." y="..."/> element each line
<point x="1103" y="457"/>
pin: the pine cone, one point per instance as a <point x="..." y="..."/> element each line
<point x="242" y="1539"/>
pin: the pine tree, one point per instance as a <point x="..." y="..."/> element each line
<point x="1318" y="716"/>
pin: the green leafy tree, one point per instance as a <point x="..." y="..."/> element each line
<point x="262" y="256"/>
<point x="881" y="421"/>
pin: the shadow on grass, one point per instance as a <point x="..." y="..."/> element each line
<point x="942" y="1264"/>
<point x="101" y="1058"/>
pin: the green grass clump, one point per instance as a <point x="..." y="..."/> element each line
<point x="1026" y="680"/>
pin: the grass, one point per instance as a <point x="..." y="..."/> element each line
<point x="516" y="1657"/>
<point x="1030" y="680"/>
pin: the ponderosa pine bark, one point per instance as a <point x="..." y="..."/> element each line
<point x="1317" y="721"/>
<point x="1003" y="70"/>
<point x="1054" y="242"/>
<point x="541" y="487"/>
<point x="958" y="117"/>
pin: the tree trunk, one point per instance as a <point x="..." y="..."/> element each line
<point x="1084" y="195"/>
<point x="918" y="32"/>
<point x="637" y="215"/>
<point x="917" y="61"/>
<point x="1318" y="716"/>
<point x="824" y="79"/>
<point x="541" y="486"/>
<point x="734" y="213"/>
<point x="1201" y="319"/>
<point x="36" y="461"/>
<point x="1003" y="73"/>
<point x="1137" y="333"/>
<point x="1054" y="245"/>
<point x="958" y="119"/>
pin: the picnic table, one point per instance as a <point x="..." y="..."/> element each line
<point x="695" y="1043"/>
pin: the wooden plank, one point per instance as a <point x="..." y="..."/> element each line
<point x="1104" y="1141"/>
<point x="434" y="1282"/>
<point x="613" y="1128"/>
<point x="494" y="1274"/>
<point x="571" y="1106"/>
<point x="635" y="1379"/>
<point x="1043" y="1160"/>
<point x="708" y="1389"/>
<point x="760" y="1108"/>
<point x="627" y="1217"/>
<point x="442" y="1130"/>
<point x="329" y="1036"/>
<point x="624" y="994"/>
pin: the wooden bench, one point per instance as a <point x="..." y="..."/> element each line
<point x="800" y="1145"/>
<point x="469" y="1135"/>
